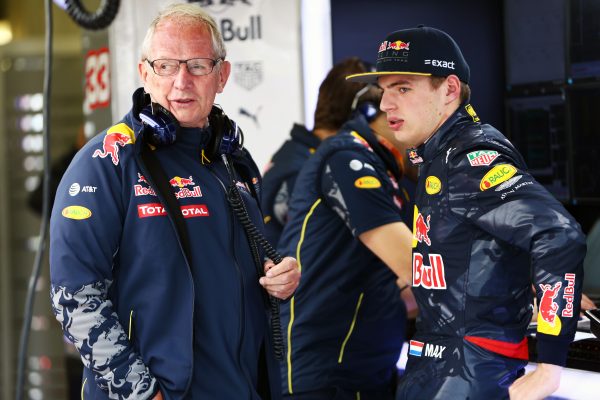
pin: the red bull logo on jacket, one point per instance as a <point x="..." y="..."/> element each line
<point x="116" y="136"/>
<point x="548" y="322"/>
<point x="184" y="191"/>
<point x="430" y="276"/>
<point x="180" y="182"/>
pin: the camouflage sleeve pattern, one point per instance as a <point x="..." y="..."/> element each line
<point x="88" y="321"/>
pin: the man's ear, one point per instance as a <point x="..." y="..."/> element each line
<point x="224" y="71"/>
<point x="143" y="72"/>
<point x="453" y="85"/>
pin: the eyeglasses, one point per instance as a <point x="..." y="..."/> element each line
<point x="195" y="66"/>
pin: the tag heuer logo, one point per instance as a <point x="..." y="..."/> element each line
<point x="248" y="74"/>
<point x="482" y="157"/>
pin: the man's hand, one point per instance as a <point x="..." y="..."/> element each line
<point x="282" y="279"/>
<point x="586" y="303"/>
<point x="158" y="396"/>
<point x="537" y="384"/>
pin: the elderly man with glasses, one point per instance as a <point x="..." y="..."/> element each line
<point x="156" y="272"/>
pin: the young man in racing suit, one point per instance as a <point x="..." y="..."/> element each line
<point x="484" y="231"/>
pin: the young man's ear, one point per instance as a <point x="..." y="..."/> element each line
<point x="453" y="85"/>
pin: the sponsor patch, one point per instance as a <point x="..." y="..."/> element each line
<point x="482" y="157"/>
<point x="74" y="189"/>
<point x="116" y="136"/>
<point x="568" y="294"/>
<point x="440" y="63"/>
<point x="471" y="111"/>
<point x="367" y="182"/>
<point x="548" y="320"/>
<point x="430" y="276"/>
<point x="414" y="157"/>
<point x="356" y="165"/>
<point x="500" y="173"/>
<point x="509" y="183"/>
<point x="433" y="185"/>
<point x="396" y="45"/>
<point x="157" y="210"/>
<point x="416" y="348"/>
<point x="180" y="182"/>
<point x="89" y="189"/>
<point x="361" y="140"/>
<point x="421" y="228"/>
<point x="76" y="212"/>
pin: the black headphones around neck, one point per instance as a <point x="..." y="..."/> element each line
<point x="161" y="128"/>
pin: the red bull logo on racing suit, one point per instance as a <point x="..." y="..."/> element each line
<point x="421" y="228"/>
<point x="548" y="320"/>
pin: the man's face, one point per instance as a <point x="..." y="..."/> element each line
<point x="415" y="110"/>
<point x="189" y="98"/>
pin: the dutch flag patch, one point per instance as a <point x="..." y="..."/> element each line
<point x="416" y="348"/>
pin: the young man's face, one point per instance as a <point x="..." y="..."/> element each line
<point x="415" y="110"/>
<point x="188" y="97"/>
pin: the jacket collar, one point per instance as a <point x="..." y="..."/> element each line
<point x="302" y="135"/>
<point x="464" y="116"/>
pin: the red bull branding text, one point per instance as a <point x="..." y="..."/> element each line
<point x="568" y="294"/>
<point x="430" y="276"/>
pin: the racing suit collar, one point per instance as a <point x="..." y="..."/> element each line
<point x="438" y="141"/>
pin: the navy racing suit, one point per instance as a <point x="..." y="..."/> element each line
<point x="484" y="231"/>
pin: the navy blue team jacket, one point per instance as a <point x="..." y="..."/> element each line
<point x="139" y="314"/>
<point x="345" y="324"/>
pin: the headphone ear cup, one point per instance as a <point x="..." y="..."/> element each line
<point x="368" y="110"/>
<point x="226" y="135"/>
<point x="160" y="126"/>
<point x="215" y="120"/>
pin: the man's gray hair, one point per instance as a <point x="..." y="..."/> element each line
<point x="189" y="12"/>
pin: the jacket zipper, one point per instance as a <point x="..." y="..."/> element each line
<point x="240" y="280"/>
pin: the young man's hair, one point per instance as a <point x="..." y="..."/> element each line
<point x="465" y="90"/>
<point x="336" y="94"/>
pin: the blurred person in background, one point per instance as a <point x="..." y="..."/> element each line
<point x="334" y="108"/>
<point x="347" y="227"/>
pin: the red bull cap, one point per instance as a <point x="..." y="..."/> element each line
<point x="417" y="51"/>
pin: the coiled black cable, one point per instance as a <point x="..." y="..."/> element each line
<point x="254" y="235"/>
<point x="100" y="19"/>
